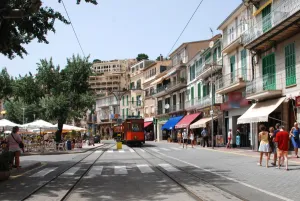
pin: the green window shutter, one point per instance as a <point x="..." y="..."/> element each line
<point x="269" y="72"/>
<point x="232" y="68"/>
<point x="204" y="90"/>
<point x="132" y="100"/>
<point x="191" y="73"/>
<point x="127" y="100"/>
<point x="137" y="100"/>
<point x="219" y="51"/>
<point x="244" y="63"/>
<point x="215" y="55"/>
<point x="199" y="91"/>
<point x="266" y="18"/>
<point x="207" y="57"/>
<point x="123" y="100"/>
<point x="123" y="113"/>
<point x="126" y="112"/>
<point x="192" y="95"/>
<point x="290" y="64"/>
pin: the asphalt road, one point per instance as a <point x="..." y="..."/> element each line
<point x="157" y="171"/>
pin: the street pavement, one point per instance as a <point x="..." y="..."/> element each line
<point x="156" y="171"/>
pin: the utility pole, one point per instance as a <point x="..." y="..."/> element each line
<point x="23" y="108"/>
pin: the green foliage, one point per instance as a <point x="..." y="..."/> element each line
<point x="142" y="56"/>
<point x="6" y="84"/>
<point x="30" y="22"/>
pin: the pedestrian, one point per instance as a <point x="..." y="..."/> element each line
<point x="295" y="138"/>
<point x="229" y="137"/>
<point x="15" y="145"/>
<point x="264" y="147"/>
<point x="204" y="134"/>
<point x="275" y="144"/>
<point x="185" y="138"/>
<point x="192" y="138"/>
<point x="282" y="138"/>
<point x="271" y="143"/>
<point x="179" y="137"/>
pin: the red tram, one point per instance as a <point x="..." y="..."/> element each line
<point x="133" y="131"/>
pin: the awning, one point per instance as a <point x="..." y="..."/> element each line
<point x="157" y="81"/>
<point x="260" y="111"/>
<point x="170" y="124"/>
<point x="187" y="120"/>
<point x="201" y="123"/>
<point x="146" y="124"/>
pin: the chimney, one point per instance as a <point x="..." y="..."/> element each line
<point x="161" y="57"/>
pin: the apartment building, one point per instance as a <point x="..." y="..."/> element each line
<point x="274" y="41"/>
<point x="151" y="73"/>
<point x="170" y="86"/>
<point x="109" y="81"/>
<point x="203" y="70"/>
<point x="236" y="72"/>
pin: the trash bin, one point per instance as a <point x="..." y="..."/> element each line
<point x="69" y="145"/>
<point x="119" y="142"/>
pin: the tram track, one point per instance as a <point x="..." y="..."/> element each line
<point x="188" y="173"/>
<point x="103" y="148"/>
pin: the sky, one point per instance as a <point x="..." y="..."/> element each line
<point x="121" y="29"/>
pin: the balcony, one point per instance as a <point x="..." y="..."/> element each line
<point x="277" y="26"/>
<point x="206" y="101"/>
<point x="181" y="62"/>
<point x="107" y="104"/>
<point x="169" y="88"/>
<point x="176" y="108"/>
<point x="266" y="87"/>
<point x="233" y="81"/>
<point x="232" y="38"/>
<point x="208" y="68"/>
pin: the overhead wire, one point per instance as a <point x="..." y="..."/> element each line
<point x="73" y="27"/>
<point x="185" y="26"/>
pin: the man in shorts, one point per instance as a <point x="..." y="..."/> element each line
<point x="282" y="139"/>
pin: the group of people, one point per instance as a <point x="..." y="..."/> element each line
<point x="276" y="141"/>
<point x="184" y="137"/>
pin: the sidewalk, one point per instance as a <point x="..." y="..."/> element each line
<point x="25" y="166"/>
<point x="84" y="149"/>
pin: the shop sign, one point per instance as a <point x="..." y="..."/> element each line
<point x="148" y="119"/>
<point x="297" y="101"/>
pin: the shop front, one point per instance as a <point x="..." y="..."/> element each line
<point x="149" y="128"/>
<point x="268" y="113"/>
<point x="187" y="120"/>
<point x="160" y="135"/>
<point x="169" y="127"/>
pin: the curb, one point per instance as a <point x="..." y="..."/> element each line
<point x="61" y="153"/>
<point x="16" y="172"/>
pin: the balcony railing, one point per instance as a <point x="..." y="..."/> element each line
<point x="270" y="82"/>
<point x="171" y="86"/>
<point x="239" y="75"/>
<point x="202" y="102"/>
<point x="279" y="13"/>
<point x="207" y="65"/>
<point x="176" y="107"/>
<point x="231" y="35"/>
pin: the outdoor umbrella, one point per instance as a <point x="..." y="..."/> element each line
<point x="7" y="124"/>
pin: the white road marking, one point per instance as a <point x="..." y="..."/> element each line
<point x="43" y="172"/>
<point x="120" y="170"/>
<point x="131" y="150"/>
<point x="153" y="149"/>
<point x="175" y="148"/>
<point x="142" y="150"/>
<point x="144" y="168"/>
<point x="231" y="179"/>
<point x="165" y="149"/>
<point x="110" y="151"/>
<point x="71" y="171"/>
<point x="95" y="171"/>
<point x="121" y="151"/>
<point x="169" y="167"/>
<point x="99" y="151"/>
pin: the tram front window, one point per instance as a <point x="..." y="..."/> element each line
<point x="136" y="127"/>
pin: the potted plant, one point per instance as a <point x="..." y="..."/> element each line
<point x="5" y="158"/>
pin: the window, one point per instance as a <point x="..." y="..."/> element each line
<point x="290" y="64"/>
<point x="199" y="91"/>
<point x="192" y="96"/>
<point x="127" y="100"/>
<point x="206" y="90"/>
<point x="138" y="101"/>
<point x="123" y="100"/>
<point x="269" y="72"/>
<point x="219" y="52"/>
<point x="232" y="69"/>
<point x="132" y="100"/>
<point x="159" y="107"/>
<point x="244" y="63"/>
<point x="135" y="127"/>
<point x="215" y="55"/>
<point x="126" y="112"/>
<point x="138" y="84"/>
<point x="123" y="113"/>
<point x="132" y="85"/>
<point x="266" y="18"/>
<point x="207" y="57"/>
<point x="192" y="72"/>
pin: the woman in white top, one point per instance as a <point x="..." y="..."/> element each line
<point x="192" y="138"/>
<point x="185" y="138"/>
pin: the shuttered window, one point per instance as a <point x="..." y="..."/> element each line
<point x="232" y="68"/>
<point x="266" y="18"/>
<point x="244" y="63"/>
<point x="199" y="91"/>
<point x="290" y="64"/>
<point x="269" y="72"/>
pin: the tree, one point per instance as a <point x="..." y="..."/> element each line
<point x="23" y="21"/>
<point x="6" y="84"/>
<point x="142" y="56"/>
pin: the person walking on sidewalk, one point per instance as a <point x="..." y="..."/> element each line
<point x="264" y="147"/>
<point x="282" y="138"/>
<point x="229" y="137"/>
<point x="295" y="138"/>
<point x="179" y="137"/>
<point x="275" y="144"/>
<point x="192" y="138"/>
<point x="185" y="138"/>
<point x="14" y="140"/>
<point x="204" y="135"/>
<point x="271" y="143"/>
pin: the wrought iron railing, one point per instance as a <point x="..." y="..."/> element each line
<point x="233" y="78"/>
